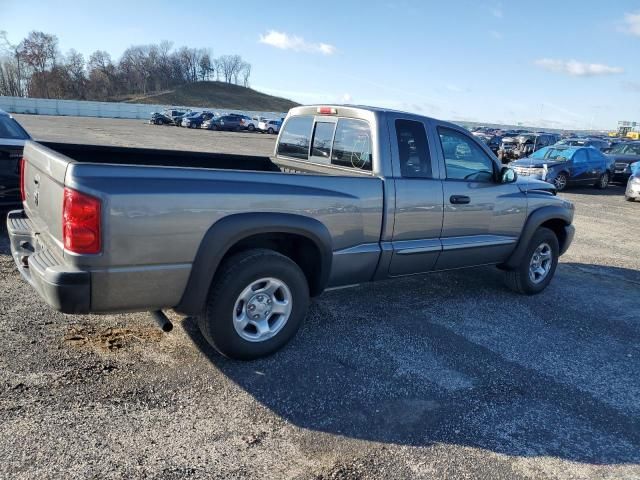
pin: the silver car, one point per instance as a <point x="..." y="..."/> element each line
<point x="633" y="186"/>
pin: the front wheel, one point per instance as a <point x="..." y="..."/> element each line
<point x="603" y="181"/>
<point x="256" y="304"/>
<point x="270" y="131"/>
<point x="560" y="182"/>
<point x="251" y="127"/>
<point x="538" y="265"/>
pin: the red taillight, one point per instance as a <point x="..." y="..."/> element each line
<point x="327" y="111"/>
<point x="81" y="222"/>
<point x="23" y="194"/>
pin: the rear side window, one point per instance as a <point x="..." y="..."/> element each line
<point x="580" y="157"/>
<point x="295" y="138"/>
<point x="595" y="156"/>
<point x="413" y="148"/>
<point x="352" y="144"/>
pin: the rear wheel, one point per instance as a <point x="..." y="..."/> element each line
<point x="538" y="264"/>
<point x="251" y="127"/>
<point x="256" y="304"/>
<point x="561" y="181"/>
<point x="270" y="130"/>
<point x="603" y="181"/>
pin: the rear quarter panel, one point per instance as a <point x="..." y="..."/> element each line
<point x="154" y="220"/>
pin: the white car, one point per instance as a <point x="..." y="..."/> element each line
<point x="251" y="124"/>
<point x="269" y="126"/>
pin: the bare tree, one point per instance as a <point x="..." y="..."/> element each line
<point x="230" y="67"/>
<point x="14" y="76"/>
<point x="39" y="51"/>
<point x="205" y="66"/>
<point x="74" y="65"/>
<point x="246" y="73"/>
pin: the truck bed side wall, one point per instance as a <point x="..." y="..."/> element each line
<point x="156" y="218"/>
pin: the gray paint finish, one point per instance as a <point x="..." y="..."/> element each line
<point x="154" y="218"/>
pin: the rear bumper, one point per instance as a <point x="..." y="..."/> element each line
<point x="65" y="289"/>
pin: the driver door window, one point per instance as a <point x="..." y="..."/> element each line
<point x="464" y="159"/>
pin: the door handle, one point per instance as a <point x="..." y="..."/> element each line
<point x="459" y="199"/>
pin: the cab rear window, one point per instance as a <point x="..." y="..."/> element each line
<point x="295" y="138"/>
<point x="345" y="143"/>
<point x="352" y="144"/>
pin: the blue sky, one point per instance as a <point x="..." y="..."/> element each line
<point x="565" y="64"/>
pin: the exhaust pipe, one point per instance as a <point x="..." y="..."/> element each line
<point x="162" y="320"/>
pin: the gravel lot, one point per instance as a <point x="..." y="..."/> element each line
<point x="443" y="376"/>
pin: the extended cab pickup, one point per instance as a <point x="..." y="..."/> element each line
<point x="351" y="195"/>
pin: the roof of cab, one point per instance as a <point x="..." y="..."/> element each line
<point x="382" y="110"/>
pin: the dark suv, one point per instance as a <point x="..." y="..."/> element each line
<point x="12" y="138"/>
<point x="624" y="155"/>
<point x="226" y="122"/>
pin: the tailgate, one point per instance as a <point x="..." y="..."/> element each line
<point x="44" y="187"/>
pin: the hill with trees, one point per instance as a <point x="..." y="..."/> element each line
<point x="217" y="95"/>
<point x="155" y="73"/>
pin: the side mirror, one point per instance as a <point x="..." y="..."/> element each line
<point x="508" y="175"/>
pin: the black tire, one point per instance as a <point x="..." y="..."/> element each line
<point x="519" y="280"/>
<point x="603" y="181"/>
<point x="561" y="181"/>
<point x="235" y="275"/>
<point x="251" y="127"/>
<point x="270" y="131"/>
<point x="629" y="199"/>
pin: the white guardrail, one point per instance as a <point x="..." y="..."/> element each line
<point x="80" y="108"/>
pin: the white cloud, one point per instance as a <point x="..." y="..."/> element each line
<point x="284" y="41"/>
<point x="496" y="34"/>
<point x="576" y="68"/>
<point x="496" y="11"/>
<point x="631" y="23"/>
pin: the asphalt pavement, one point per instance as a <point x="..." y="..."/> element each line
<point x="448" y="375"/>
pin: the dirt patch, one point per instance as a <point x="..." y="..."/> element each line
<point x="111" y="338"/>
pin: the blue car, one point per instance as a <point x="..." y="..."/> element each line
<point x="567" y="165"/>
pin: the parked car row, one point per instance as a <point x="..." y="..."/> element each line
<point x="215" y="121"/>
<point x="581" y="161"/>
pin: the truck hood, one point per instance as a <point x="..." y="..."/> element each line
<point x="527" y="185"/>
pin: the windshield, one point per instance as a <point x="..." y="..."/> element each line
<point x="557" y="154"/>
<point x="573" y="142"/>
<point x="9" y="128"/>
<point x="626" y="149"/>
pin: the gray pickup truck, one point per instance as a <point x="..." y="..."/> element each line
<point x="351" y="195"/>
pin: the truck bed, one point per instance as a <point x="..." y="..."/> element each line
<point x="161" y="158"/>
<point x="158" y="205"/>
